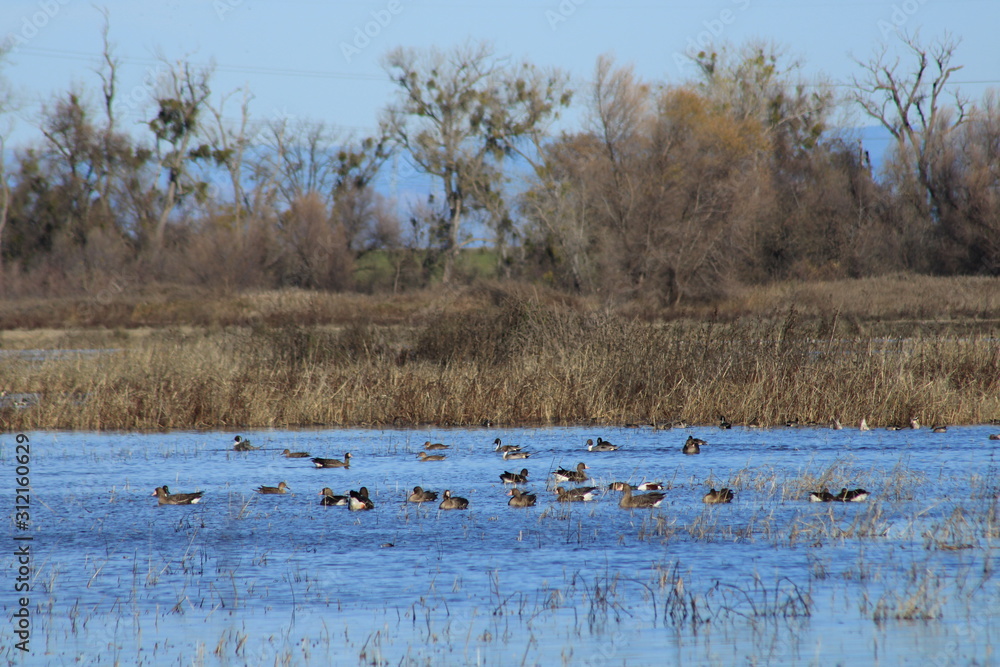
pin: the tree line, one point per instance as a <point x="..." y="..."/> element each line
<point x="664" y="193"/>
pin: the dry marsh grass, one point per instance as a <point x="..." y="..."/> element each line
<point x="516" y="357"/>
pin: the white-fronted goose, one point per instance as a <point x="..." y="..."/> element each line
<point x="359" y="500"/>
<point x="693" y="445"/>
<point x="241" y="444"/>
<point x="515" y="478"/>
<point x="435" y="445"/>
<point x="714" y="497"/>
<point x="601" y="446"/>
<point x="330" y="499"/>
<point x="580" y="494"/>
<point x="519" y="499"/>
<point x="564" y="475"/>
<point x="851" y="495"/>
<point x="823" y="496"/>
<point x="419" y="495"/>
<point x="289" y="454"/>
<point x="509" y="455"/>
<point x="451" y="502"/>
<point x="281" y="488"/>
<point x="164" y="496"/>
<point x="333" y="463"/>
<point x="642" y="500"/>
<point x="424" y="456"/>
<point x="500" y="447"/>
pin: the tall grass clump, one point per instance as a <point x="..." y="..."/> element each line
<point x="512" y="357"/>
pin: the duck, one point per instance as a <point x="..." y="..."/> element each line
<point x="835" y="424"/>
<point x="863" y="425"/>
<point x="724" y="423"/>
<point x="515" y="478"/>
<point x="359" y="500"/>
<point x="509" y="455"/>
<point x="451" y="502"/>
<point x="693" y="445"/>
<point x="714" y="497"/>
<point x="823" y="496"/>
<point x="645" y="486"/>
<point x="601" y="446"/>
<point x="241" y="444"/>
<point x="851" y="495"/>
<point x="330" y="499"/>
<point x="419" y="495"/>
<point x="333" y="463"/>
<point x="164" y="496"/>
<point x="435" y="445"/>
<point x="914" y="424"/>
<point x="289" y="454"/>
<point x="424" y="456"/>
<point x="500" y="447"/>
<point x="939" y="428"/>
<point x="994" y="436"/>
<point x="281" y="488"/>
<point x="520" y="499"/>
<point x="563" y="475"/>
<point x="581" y="494"/>
<point x="643" y="500"/>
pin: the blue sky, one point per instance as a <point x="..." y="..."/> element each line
<point x="319" y="59"/>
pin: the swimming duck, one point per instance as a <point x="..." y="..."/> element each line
<point x="994" y="436"/>
<point x="164" y="496"/>
<point x="563" y="475"/>
<point x="281" y="488"/>
<point x="435" y="445"/>
<point x="330" y="499"/>
<point x="851" y="495"/>
<point x="424" y="456"/>
<point x="288" y="454"/>
<point x="693" y="445"/>
<point x="421" y="496"/>
<point x="645" y="486"/>
<point x="939" y="428"/>
<point x="519" y="499"/>
<point x="629" y="501"/>
<point x="515" y="478"/>
<point x="359" y="500"/>
<point x="451" y="502"/>
<point x="863" y="425"/>
<point x="724" y="423"/>
<point x="914" y="424"/>
<point x="835" y="424"/>
<point x="601" y="446"/>
<point x="580" y="494"/>
<point x="500" y="447"/>
<point x="333" y="463"/>
<point x="509" y="455"/>
<point x="240" y="444"/>
<point x="714" y="497"/>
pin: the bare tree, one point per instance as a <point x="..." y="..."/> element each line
<point x="459" y="114"/>
<point x="908" y="100"/>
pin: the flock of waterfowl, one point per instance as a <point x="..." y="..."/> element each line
<point x="652" y="494"/>
<point x="359" y="500"/>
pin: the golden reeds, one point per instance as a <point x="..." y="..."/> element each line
<point x="514" y="359"/>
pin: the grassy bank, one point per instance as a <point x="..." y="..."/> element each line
<point x="517" y="356"/>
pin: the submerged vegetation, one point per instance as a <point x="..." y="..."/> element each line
<point x="508" y="355"/>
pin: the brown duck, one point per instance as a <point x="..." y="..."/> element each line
<point x="288" y="454"/>
<point x="642" y="500"/>
<point x="520" y="499"/>
<point x="333" y="463"/>
<point x="281" y="488"/>
<point x="164" y="496"/>
<point x="451" y="502"/>
<point x="419" y="495"/>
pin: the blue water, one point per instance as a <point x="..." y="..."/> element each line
<point x="244" y="578"/>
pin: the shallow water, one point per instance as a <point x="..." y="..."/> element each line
<point x="244" y="578"/>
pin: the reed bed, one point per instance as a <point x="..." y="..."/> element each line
<point x="515" y="360"/>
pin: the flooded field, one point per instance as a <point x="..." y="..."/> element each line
<point x="907" y="576"/>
